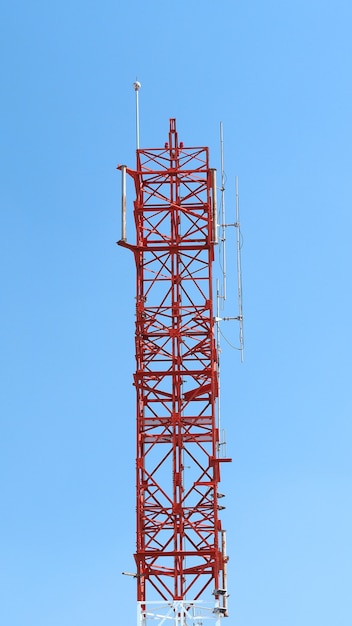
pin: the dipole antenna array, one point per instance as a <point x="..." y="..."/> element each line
<point x="221" y="287"/>
<point x="222" y="295"/>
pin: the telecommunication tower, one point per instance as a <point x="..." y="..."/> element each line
<point x="181" y="554"/>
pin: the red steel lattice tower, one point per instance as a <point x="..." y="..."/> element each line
<point x="181" y="549"/>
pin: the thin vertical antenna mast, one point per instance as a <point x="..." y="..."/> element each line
<point x="137" y="85"/>
<point x="239" y="269"/>
<point x="223" y="216"/>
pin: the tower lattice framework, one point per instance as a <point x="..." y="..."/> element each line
<point x="180" y="555"/>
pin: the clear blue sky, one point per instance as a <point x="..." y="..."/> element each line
<point x="278" y="74"/>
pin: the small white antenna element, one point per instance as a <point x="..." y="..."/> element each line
<point x="123" y="203"/>
<point x="239" y="268"/>
<point x="215" y="211"/>
<point x="137" y="85"/>
<point x="224" y="573"/>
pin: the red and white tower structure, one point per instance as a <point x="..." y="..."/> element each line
<point x="181" y="546"/>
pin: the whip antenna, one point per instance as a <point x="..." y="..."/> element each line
<point x="137" y="85"/>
